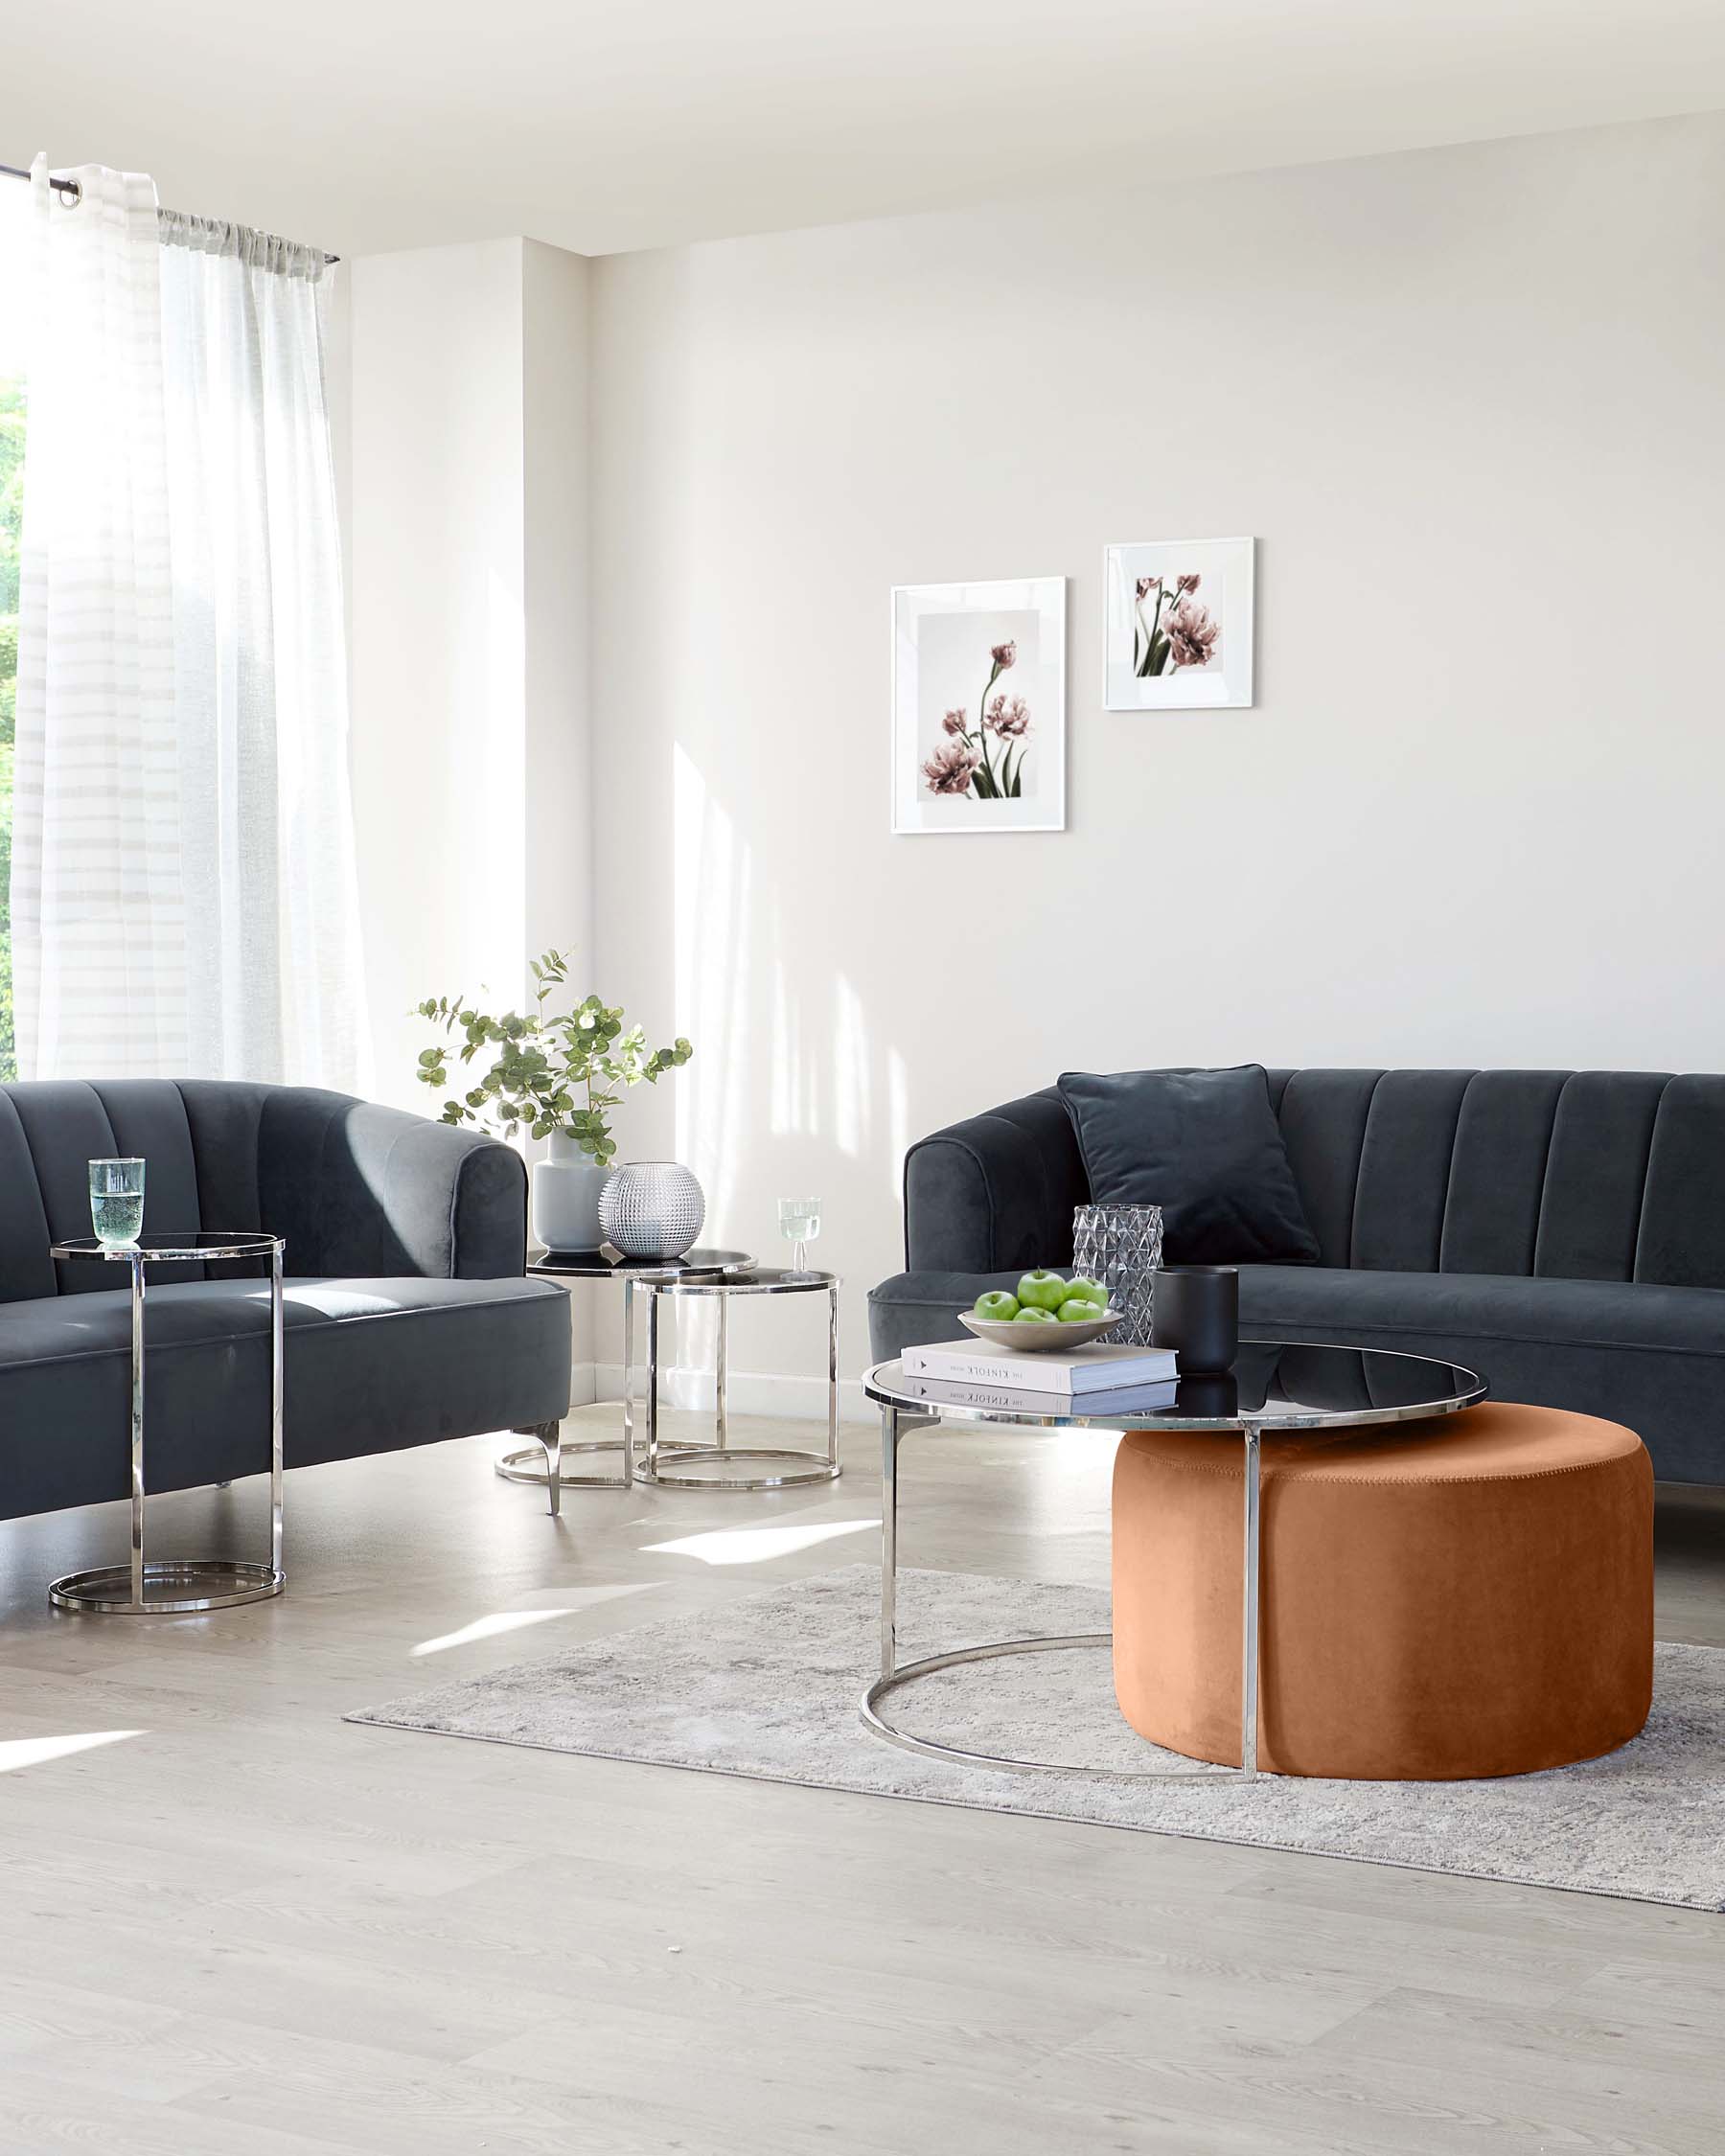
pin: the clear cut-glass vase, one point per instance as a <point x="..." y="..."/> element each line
<point x="1121" y="1247"/>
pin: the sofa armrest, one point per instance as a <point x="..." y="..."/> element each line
<point x="361" y="1191"/>
<point x="995" y="1191"/>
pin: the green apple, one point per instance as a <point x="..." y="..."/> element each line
<point x="1081" y="1289"/>
<point x="1042" y="1291"/>
<point x="1033" y="1314"/>
<point x="1079" y="1310"/>
<point x="997" y="1305"/>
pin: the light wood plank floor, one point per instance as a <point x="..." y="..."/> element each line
<point x="245" y="1924"/>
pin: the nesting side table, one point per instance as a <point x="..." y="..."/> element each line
<point x="532" y="1463"/>
<point x="697" y="1272"/>
<point x="798" y="1466"/>
<point x="175" y="1586"/>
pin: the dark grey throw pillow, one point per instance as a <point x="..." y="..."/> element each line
<point x="1204" y="1146"/>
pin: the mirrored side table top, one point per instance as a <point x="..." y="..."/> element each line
<point x="607" y="1264"/>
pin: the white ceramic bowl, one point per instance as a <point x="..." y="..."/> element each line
<point x="1035" y="1339"/>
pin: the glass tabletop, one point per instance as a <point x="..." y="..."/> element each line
<point x="606" y="1264"/>
<point x="758" y="1280"/>
<point x="164" y="1249"/>
<point x="1275" y="1384"/>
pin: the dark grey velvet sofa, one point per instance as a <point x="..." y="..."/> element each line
<point x="407" y="1315"/>
<point x="1563" y="1232"/>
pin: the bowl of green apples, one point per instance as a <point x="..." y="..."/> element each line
<point x="1048" y="1312"/>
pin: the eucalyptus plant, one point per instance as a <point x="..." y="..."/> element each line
<point x="552" y="1071"/>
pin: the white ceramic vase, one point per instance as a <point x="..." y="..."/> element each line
<point x="565" y="1197"/>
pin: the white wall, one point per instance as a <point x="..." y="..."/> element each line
<point x="466" y="491"/>
<point x="1468" y="399"/>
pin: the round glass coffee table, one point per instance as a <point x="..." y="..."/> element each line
<point x="175" y="1586"/>
<point x="1274" y="1385"/>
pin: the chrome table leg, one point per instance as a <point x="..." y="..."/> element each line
<point x="889" y="1444"/>
<point x="721" y="1417"/>
<point x="275" y="1409"/>
<point x="833" y="1378"/>
<point x="895" y="1424"/>
<point x="137" y="1431"/>
<point x="1249" y="1615"/>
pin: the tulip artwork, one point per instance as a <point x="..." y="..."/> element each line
<point x="1179" y="625"/>
<point x="1173" y="630"/>
<point x="969" y="760"/>
<point x="978" y="707"/>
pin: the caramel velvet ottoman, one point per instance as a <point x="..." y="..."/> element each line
<point x="1439" y="1600"/>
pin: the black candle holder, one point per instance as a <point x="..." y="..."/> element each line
<point x="1196" y="1313"/>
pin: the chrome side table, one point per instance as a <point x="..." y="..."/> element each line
<point x="804" y="1466"/>
<point x="177" y="1585"/>
<point x="532" y="1463"/>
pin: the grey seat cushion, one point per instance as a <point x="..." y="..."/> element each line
<point x="1651" y="1357"/>
<point x="369" y="1365"/>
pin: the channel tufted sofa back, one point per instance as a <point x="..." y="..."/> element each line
<point x="1590" y="1175"/>
<point x="356" y="1191"/>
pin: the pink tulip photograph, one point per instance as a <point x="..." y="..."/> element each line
<point x="1180" y="625"/>
<point x="979" y="707"/>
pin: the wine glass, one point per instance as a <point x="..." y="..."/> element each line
<point x="799" y="1223"/>
<point x="117" y="1202"/>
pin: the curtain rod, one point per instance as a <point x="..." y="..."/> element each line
<point x="73" y="192"/>
<point x="69" y="188"/>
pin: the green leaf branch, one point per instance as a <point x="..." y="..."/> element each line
<point x="552" y="1071"/>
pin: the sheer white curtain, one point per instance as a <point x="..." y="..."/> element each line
<point x="266" y="821"/>
<point x="97" y="911"/>
<point x="184" y="898"/>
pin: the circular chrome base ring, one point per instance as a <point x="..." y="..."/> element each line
<point x="819" y="1470"/>
<point x="171" y="1588"/>
<point x="929" y="1749"/>
<point x="528" y="1465"/>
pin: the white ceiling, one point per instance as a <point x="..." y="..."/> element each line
<point x="368" y="124"/>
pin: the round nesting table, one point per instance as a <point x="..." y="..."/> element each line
<point x="801" y="1466"/>
<point x="1275" y="1384"/>
<point x="532" y="1463"/>
<point x="175" y="1586"/>
<point x="716" y="1273"/>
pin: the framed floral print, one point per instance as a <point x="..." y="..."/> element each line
<point x="978" y="707"/>
<point x="1180" y="628"/>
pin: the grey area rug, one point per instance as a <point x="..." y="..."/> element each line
<point x="768" y="1687"/>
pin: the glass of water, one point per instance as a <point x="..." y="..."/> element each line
<point x="799" y="1223"/>
<point x="117" y="1202"/>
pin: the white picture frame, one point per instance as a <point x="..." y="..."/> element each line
<point x="978" y="695"/>
<point x="1201" y="588"/>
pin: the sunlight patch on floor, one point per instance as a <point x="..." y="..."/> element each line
<point x="498" y="1621"/>
<point x="38" y="1751"/>
<point x="754" y="1545"/>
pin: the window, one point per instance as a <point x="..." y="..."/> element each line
<point x="15" y="200"/>
<point x="11" y="503"/>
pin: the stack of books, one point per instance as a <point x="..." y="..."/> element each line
<point x="1098" y="1380"/>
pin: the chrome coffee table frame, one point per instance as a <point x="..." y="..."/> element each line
<point x="208" y="1583"/>
<point x="814" y="1467"/>
<point x="533" y="1464"/>
<point x="905" y="1409"/>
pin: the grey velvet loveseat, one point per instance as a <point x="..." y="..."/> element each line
<point x="1563" y="1232"/>
<point x="407" y="1315"/>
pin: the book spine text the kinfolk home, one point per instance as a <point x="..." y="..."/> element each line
<point x="1051" y="1374"/>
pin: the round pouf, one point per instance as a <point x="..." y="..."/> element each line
<point x="1445" y="1600"/>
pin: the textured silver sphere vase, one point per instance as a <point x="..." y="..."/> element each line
<point x="651" y="1210"/>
